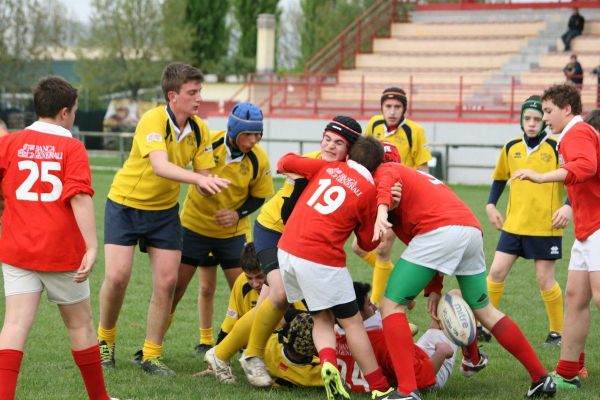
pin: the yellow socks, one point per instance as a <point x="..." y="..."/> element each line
<point x="495" y="291"/>
<point x="151" y="350"/>
<point x="206" y="336"/>
<point x="237" y="338"/>
<point x="267" y="318"/>
<point x="107" y="335"/>
<point x="381" y="274"/>
<point x="553" y="301"/>
<point x="370" y="258"/>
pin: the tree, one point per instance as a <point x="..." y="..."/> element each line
<point x="323" y="20"/>
<point x="246" y="13"/>
<point x="31" y="33"/>
<point x="210" y="41"/>
<point x="128" y="44"/>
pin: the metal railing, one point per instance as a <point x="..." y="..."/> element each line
<point x="445" y="150"/>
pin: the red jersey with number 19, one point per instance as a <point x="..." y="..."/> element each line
<point x="339" y="199"/>
<point x="41" y="169"/>
<point x="426" y="203"/>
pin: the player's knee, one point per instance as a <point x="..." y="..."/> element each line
<point x="207" y="291"/>
<point x="117" y="279"/>
<point x="278" y="298"/>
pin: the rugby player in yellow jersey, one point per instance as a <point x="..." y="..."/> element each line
<point x="535" y="216"/>
<point x="409" y="138"/>
<point x="142" y="206"/>
<point x="215" y="228"/>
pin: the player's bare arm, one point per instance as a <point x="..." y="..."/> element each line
<point x="494" y="216"/>
<point x="165" y="169"/>
<point x="83" y="210"/>
<point x="381" y="222"/>
<point x="558" y="175"/>
<point x="562" y="216"/>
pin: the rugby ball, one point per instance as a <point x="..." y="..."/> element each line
<point x="457" y="320"/>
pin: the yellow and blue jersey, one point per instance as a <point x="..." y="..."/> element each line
<point x="409" y="138"/>
<point x="250" y="175"/>
<point x="286" y="372"/>
<point x="136" y="185"/>
<point x="270" y="213"/>
<point x="241" y="300"/>
<point x="530" y="205"/>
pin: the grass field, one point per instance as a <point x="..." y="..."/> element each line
<point x="48" y="370"/>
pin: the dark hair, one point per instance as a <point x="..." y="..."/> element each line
<point x="51" y="94"/>
<point x="368" y="152"/>
<point x="176" y="74"/>
<point x="563" y="95"/>
<point x="361" y="289"/>
<point x="593" y="118"/>
<point x="248" y="260"/>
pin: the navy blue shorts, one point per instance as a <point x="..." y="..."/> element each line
<point x="126" y="226"/>
<point x="204" y="251"/>
<point x="531" y="247"/>
<point x="265" y="243"/>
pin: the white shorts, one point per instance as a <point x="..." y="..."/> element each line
<point x="585" y="255"/>
<point x="427" y="343"/>
<point x="452" y="250"/>
<point x="321" y="286"/>
<point x="59" y="285"/>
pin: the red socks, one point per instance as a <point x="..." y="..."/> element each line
<point x="402" y="351"/>
<point x="88" y="361"/>
<point x="567" y="369"/>
<point x="328" y="354"/>
<point x="471" y="352"/>
<point x="512" y="339"/>
<point x="10" y="364"/>
<point x="377" y="381"/>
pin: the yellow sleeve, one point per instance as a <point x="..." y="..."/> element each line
<point x="420" y="151"/>
<point x="150" y="133"/>
<point x="502" y="170"/>
<point x="262" y="186"/>
<point x="236" y="304"/>
<point x="369" y="129"/>
<point x="203" y="159"/>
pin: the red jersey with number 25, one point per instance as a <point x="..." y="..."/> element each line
<point x="41" y="169"/>
<point x="426" y="203"/>
<point x="353" y="376"/>
<point x="339" y="199"/>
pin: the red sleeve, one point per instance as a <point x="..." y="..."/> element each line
<point x="307" y="167"/>
<point x="385" y="177"/>
<point x="77" y="177"/>
<point x="582" y="153"/>
<point x="367" y="216"/>
<point x="435" y="285"/>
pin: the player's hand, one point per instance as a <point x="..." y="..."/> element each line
<point x="494" y="216"/>
<point x="85" y="268"/>
<point x="381" y="223"/>
<point x="561" y="217"/>
<point x="226" y="217"/>
<point x="396" y="192"/>
<point x="211" y="184"/>
<point x="432" y="304"/>
<point x="528" y="175"/>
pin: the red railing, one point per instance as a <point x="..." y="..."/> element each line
<point x="321" y="94"/>
<point x="341" y="51"/>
